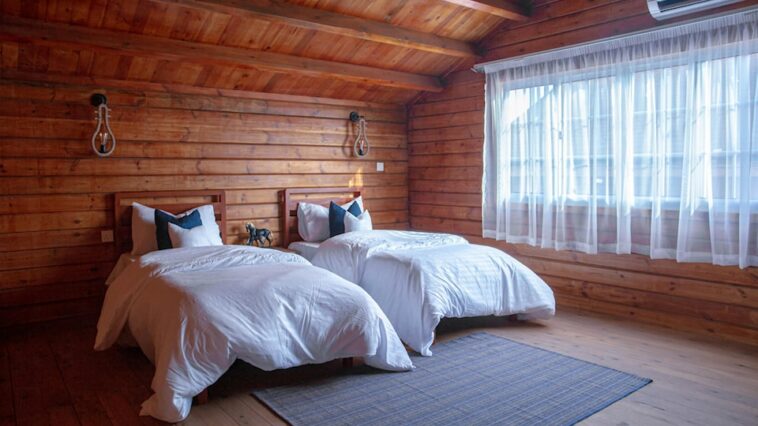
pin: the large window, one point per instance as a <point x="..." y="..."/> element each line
<point x="647" y="144"/>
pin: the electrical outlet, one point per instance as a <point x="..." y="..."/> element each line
<point x="106" y="236"/>
<point x="380" y="167"/>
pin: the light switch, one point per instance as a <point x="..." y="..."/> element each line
<point x="380" y="167"/>
<point x="106" y="236"/>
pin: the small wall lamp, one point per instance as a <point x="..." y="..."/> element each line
<point x="103" y="140"/>
<point x="360" y="146"/>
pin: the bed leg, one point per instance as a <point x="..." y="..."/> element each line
<point x="347" y="362"/>
<point x="202" y="397"/>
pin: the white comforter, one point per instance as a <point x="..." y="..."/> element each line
<point x="193" y="311"/>
<point x="418" y="278"/>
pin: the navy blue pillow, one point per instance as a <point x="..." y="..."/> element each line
<point x="337" y="217"/>
<point x="162" y="219"/>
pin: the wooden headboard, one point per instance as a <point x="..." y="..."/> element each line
<point x="322" y="196"/>
<point x="171" y="201"/>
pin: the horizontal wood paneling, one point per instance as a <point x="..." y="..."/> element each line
<point x="56" y="196"/>
<point x="564" y="23"/>
<point x="445" y="135"/>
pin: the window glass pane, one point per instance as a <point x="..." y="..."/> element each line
<point x="598" y="129"/>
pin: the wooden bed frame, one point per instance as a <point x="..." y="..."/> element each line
<point x="170" y="201"/>
<point x="322" y="196"/>
<point x="289" y="200"/>
<point x="176" y="202"/>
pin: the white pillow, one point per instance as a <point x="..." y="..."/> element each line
<point x="208" y="217"/>
<point x="313" y="220"/>
<point x="360" y="223"/>
<point x="143" y="230"/>
<point x="143" y="227"/>
<point x="193" y="237"/>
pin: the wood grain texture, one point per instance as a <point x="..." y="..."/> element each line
<point x="445" y="168"/>
<point x="50" y="35"/>
<point x="565" y="23"/>
<point x="291" y="197"/>
<point x="56" y="196"/>
<point x="174" y="202"/>
<point x="335" y="23"/>
<point x="696" y="380"/>
<point x="293" y="43"/>
<point x="503" y="8"/>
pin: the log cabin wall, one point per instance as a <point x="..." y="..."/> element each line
<point x="56" y="196"/>
<point x="445" y="171"/>
<point x="205" y="94"/>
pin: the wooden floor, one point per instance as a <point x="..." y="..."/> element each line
<point x="50" y="375"/>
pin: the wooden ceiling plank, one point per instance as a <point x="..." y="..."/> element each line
<point x="501" y="8"/>
<point x="8" y="75"/>
<point x="335" y="23"/>
<point x="52" y="34"/>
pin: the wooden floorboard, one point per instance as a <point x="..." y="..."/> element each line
<point x="49" y="374"/>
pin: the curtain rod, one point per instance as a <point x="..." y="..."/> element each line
<point x="743" y="11"/>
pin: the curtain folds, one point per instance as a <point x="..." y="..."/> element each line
<point x="645" y="144"/>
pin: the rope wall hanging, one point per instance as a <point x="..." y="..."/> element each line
<point x="361" y="145"/>
<point x="103" y="140"/>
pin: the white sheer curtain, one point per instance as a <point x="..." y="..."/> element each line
<point x="644" y="144"/>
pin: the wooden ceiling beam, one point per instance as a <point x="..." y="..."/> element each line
<point x="501" y="8"/>
<point x="335" y="23"/>
<point x="51" y="34"/>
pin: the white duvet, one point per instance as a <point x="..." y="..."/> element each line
<point x="418" y="278"/>
<point x="193" y="311"/>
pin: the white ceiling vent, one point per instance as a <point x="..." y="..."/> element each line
<point x="665" y="9"/>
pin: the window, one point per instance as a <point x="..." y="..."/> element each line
<point x="646" y="144"/>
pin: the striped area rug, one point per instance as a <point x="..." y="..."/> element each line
<point x="479" y="379"/>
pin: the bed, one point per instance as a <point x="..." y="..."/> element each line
<point x="418" y="278"/>
<point x="194" y="310"/>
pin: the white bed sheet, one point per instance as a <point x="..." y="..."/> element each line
<point x="418" y="278"/>
<point x="193" y="311"/>
<point x="124" y="260"/>
<point x="305" y="248"/>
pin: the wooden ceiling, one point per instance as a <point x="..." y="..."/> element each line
<point x="384" y="51"/>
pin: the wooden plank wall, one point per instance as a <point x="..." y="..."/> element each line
<point x="56" y="195"/>
<point x="445" y="169"/>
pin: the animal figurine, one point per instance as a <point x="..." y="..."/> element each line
<point x="257" y="236"/>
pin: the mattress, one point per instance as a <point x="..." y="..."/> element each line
<point x="305" y="249"/>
